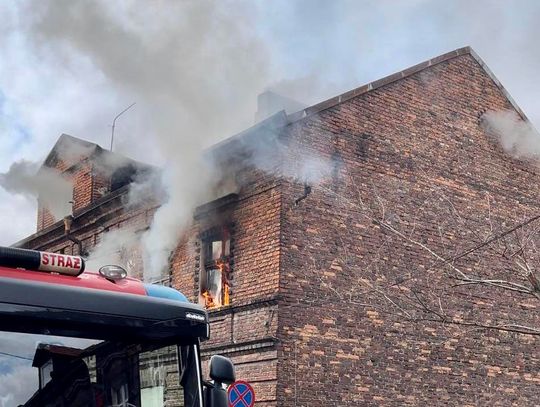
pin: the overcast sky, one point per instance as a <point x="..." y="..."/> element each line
<point x="195" y="68"/>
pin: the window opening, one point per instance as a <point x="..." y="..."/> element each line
<point x="215" y="284"/>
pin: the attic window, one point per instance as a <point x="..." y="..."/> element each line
<point x="123" y="176"/>
<point x="216" y="267"/>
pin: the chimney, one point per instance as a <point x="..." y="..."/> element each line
<point x="45" y="218"/>
<point x="89" y="184"/>
<point x="270" y="102"/>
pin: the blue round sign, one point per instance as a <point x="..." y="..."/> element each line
<point x="241" y="394"/>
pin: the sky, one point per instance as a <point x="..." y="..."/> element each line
<point x="195" y="68"/>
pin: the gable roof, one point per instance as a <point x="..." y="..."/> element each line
<point x="66" y="142"/>
<point x="281" y="119"/>
<point x="336" y="100"/>
<point x="73" y="150"/>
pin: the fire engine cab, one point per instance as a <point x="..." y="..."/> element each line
<point x="70" y="337"/>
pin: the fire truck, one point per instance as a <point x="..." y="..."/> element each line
<point x="70" y="337"/>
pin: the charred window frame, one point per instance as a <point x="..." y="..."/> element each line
<point x="215" y="270"/>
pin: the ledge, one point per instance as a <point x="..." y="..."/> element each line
<point x="243" y="306"/>
<point x="238" y="347"/>
<point x="214" y="205"/>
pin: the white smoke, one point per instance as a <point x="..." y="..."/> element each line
<point x="310" y="169"/>
<point x="72" y="153"/>
<point x="518" y="137"/>
<point x="194" y="69"/>
<point x="29" y="180"/>
<point x="119" y="247"/>
<point x="158" y="55"/>
<point x="174" y="215"/>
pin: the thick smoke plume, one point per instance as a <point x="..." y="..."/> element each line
<point x="518" y="137"/>
<point x="28" y="179"/>
<point x="158" y="56"/>
<point x="193" y="68"/>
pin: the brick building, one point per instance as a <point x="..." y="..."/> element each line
<point x="338" y="289"/>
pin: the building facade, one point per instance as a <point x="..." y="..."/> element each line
<point x="369" y="252"/>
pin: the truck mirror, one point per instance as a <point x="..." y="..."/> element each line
<point x="222" y="369"/>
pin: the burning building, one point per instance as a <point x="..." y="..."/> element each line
<point x="362" y="256"/>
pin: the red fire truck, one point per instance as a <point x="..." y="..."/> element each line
<point x="70" y="337"/>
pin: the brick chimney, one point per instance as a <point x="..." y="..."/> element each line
<point x="89" y="183"/>
<point x="270" y="102"/>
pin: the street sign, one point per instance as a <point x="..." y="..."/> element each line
<point x="241" y="394"/>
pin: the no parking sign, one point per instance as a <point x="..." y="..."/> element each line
<point x="241" y="394"/>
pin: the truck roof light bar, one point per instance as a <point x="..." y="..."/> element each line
<point x="41" y="261"/>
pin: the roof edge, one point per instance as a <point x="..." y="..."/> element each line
<point x="336" y="100"/>
<point x="497" y="83"/>
<point x="59" y="224"/>
<point x="67" y="138"/>
<point x="275" y="121"/>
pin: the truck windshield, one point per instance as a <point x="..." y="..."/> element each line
<point x="42" y="370"/>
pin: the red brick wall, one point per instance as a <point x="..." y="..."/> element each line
<point x="253" y="220"/>
<point x="82" y="185"/>
<point x="245" y="330"/>
<point x="101" y="183"/>
<point x="89" y="184"/>
<point x="44" y="217"/>
<point x="411" y="153"/>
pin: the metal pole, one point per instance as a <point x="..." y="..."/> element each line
<point x="114" y="122"/>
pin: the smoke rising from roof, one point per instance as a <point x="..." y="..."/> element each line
<point x="194" y="69"/>
<point x="519" y="138"/>
<point x="65" y="65"/>
<point x="182" y="79"/>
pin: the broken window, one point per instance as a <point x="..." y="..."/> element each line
<point x="215" y="270"/>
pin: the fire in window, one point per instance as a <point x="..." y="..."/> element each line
<point x="215" y="272"/>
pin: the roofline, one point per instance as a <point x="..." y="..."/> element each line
<point x="282" y="119"/>
<point x="497" y="83"/>
<point x="276" y="121"/>
<point x="405" y="73"/>
<point x="61" y="139"/>
<point x="97" y="150"/>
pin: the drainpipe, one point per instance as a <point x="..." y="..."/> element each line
<point x="307" y="191"/>
<point x="68" y="221"/>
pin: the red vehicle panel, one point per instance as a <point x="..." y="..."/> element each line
<point x="86" y="279"/>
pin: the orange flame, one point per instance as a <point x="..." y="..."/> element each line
<point x="224" y="268"/>
<point x="226" y="299"/>
<point x="208" y="300"/>
<point x="222" y="263"/>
